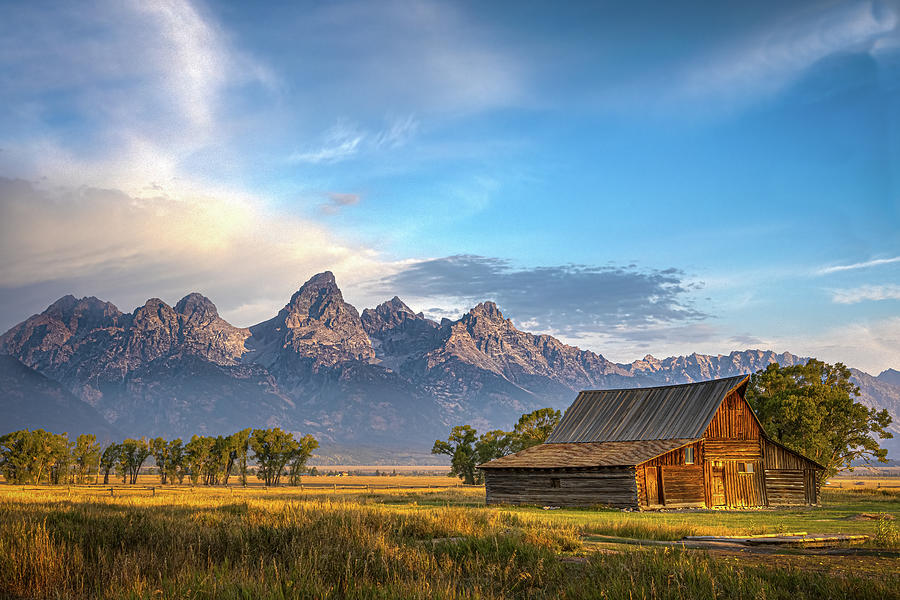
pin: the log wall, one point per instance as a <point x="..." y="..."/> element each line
<point x="612" y="486"/>
<point x="785" y="486"/>
<point x="790" y="477"/>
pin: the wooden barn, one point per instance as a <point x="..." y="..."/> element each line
<point x="691" y="445"/>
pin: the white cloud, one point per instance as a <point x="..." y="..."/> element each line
<point x="866" y="292"/>
<point x="340" y="142"/>
<point x="105" y="242"/>
<point x="763" y="64"/>
<point x="146" y="83"/>
<point x="345" y="140"/>
<point x="860" y="265"/>
<point x="871" y="346"/>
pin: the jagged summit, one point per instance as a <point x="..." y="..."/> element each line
<point x="72" y="310"/>
<point x="487" y="309"/>
<point x="316" y="325"/>
<point x="397" y="333"/>
<point x="891" y="376"/>
<point x="196" y="305"/>
<point x="316" y="295"/>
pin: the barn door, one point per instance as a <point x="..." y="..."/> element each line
<point x="717" y="485"/>
<point x="651" y="475"/>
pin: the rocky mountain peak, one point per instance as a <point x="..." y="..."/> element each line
<point x="891" y="376"/>
<point x="387" y="315"/>
<point x="81" y="313"/>
<point x="397" y="332"/>
<point x="315" y="324"/>
<point x="488" y="310"/>
<point x="62" y="307"/>
<point x="196" y="307"/>
<point x="316" y="295"/>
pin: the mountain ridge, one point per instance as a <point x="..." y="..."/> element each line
<point x="320" y="366"/>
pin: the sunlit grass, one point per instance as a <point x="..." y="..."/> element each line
<point x="403" y="543"/>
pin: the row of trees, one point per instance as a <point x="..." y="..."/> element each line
<point x="40" y="456"/>
<point x="811" y="409"/>
<point x="34" y="456"/>
<point x="467" y="449"/>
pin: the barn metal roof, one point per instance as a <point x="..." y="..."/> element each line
<point x="654" y="413"/>
<point x="596" y="454"/>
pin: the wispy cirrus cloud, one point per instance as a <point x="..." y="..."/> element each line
<point x="139" y="88"/>
<point x="860" y="265"/>
<point x="345" y="140"/>
<point x="866" y="293"/>
<point x="766" y="61"/>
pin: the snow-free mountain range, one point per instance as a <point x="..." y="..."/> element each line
<point x="387" y="378"/>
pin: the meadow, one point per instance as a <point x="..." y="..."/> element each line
<point x="423" y="537"/>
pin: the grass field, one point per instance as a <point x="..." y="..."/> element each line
<point x="423" y="538"/>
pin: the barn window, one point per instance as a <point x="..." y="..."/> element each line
<point x="745" y="467"/>
<point x="688" y="456"/>
<point x="554" y="482"/>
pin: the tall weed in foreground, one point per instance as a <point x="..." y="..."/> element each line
<point x="886" y="533"/>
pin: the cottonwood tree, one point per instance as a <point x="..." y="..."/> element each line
<point x="175" y="461"/>
<point x="272" y="450"/>
<point x="240" y="448"/>
<point x="494" y="444"/>
<point x="196" y="455"/>
<point x="460" y="447"/>
<point x="301" y="455"/>
<point x="108" y="460"/>
<point x="85" y="455"/>
<point x="30" y="456"/>
<point x="534" y="428"/>
<point x="132" y="454"/>
<point x="60" y="450"/>
<point x="811" y="409"/>
<point x="467" y="449"/>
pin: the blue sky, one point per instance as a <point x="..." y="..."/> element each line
<point x="652" y="178"/>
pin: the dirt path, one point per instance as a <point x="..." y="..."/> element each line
<point x="867" y="562"/>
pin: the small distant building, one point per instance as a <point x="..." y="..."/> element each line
<point x="690" y="445"/>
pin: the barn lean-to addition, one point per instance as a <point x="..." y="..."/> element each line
<point x="690" y="445"/>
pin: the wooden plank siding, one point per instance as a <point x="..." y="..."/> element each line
<point x="734" y="420"/>
<point x="811" y="486"/>
<point x="610" y="486"/>
<point x="744" y="489"/>
<point x="683" y="485"/>
<point x="779" y="457"/>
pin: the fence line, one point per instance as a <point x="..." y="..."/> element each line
<point x="120" y="488"/>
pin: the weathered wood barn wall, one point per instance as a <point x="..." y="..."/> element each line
<point x="692" y="445"/>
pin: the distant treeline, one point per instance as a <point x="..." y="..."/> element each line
<point x="42" y="457"/>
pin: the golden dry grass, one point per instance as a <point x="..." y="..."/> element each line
<point x="424" y="542"/>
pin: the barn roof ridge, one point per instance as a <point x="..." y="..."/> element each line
<point x="677" y="411"/>
<point x="671" y="385"/>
